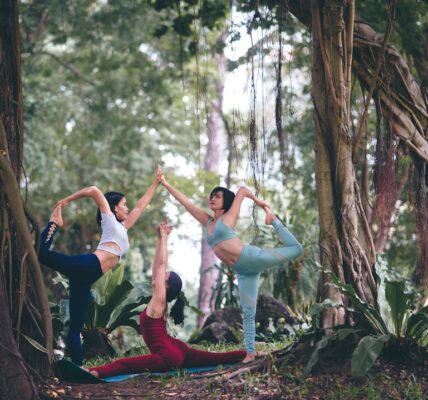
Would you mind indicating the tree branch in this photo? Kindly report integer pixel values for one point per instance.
(71, 68)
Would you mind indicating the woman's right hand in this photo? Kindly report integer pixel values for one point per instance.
(160, 176)
(164, 229)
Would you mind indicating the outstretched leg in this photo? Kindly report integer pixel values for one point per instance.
(131, 365)
(200, 358)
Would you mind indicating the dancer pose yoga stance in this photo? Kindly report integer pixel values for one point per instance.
(248, 261)
(83, 270)
(166, 352)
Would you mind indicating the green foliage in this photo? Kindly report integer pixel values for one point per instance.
(366, 353)
(226, 292)
(391, 325)
(116, 302)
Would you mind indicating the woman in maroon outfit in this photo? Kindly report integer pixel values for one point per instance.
(166, 352)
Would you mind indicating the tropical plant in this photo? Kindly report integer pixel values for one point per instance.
(226, 292)
(115, 302)
(391, 328)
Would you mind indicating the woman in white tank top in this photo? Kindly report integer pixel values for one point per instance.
(83, 270)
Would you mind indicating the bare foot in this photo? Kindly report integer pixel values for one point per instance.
(56, 217)
(252, 356)
(270, 216)
(94, 373)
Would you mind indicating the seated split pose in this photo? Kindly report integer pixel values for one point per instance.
(166, 351)
(83, 270)
(247, 261)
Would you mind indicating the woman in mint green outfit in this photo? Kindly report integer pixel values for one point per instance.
(248, 261)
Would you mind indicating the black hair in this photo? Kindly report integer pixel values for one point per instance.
(228, 196)
(177, 310)
(173, 291)
(113, 199)
(174, 285)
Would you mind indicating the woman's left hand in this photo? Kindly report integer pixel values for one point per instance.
(261, 203)
(61, 203)
(160, 176)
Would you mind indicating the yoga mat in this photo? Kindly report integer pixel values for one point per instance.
(73, 373)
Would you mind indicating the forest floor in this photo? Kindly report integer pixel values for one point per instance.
(384, 381)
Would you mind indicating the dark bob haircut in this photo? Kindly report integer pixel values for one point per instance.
(228, 196)
(113, 199)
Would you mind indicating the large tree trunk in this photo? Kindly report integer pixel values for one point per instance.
(401, 96)
(15, 381)
(345, 242)
(215, 151)
(403, 104)
(23, 305)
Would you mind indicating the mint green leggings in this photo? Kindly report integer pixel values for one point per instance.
(252, 261)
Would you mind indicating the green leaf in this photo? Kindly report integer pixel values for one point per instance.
(366, 353)
(372, 315)
(112, 306)
(103, 287)
(196, 310)
(398, 301)
(417, 327)
(318, 308)
(35, 343)
(383, 306)
(324, 342)
(345, 332)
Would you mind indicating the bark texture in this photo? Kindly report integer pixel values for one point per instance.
(24, 308)
(341, 40)
(346, 247)
(15, 381)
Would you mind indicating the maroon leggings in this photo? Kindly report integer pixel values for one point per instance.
(177, 354)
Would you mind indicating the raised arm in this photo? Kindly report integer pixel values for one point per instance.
(231, 216)
(199, 214)
(142, 203)
(157, 304)
(90, 191)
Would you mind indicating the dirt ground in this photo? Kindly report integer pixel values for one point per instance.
(384, 381)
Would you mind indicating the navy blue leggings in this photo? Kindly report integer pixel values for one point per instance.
(82, 271)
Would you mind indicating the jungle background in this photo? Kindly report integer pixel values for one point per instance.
(318, 106)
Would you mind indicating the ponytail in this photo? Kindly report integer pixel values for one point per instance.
(177, 310)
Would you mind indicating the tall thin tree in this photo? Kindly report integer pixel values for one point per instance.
(213, 158)
(26, 334)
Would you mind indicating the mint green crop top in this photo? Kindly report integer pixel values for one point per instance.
(221, 233)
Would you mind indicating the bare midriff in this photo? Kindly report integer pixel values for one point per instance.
(229, 250)
(107, 260)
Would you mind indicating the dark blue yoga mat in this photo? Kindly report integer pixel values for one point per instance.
(73, 373)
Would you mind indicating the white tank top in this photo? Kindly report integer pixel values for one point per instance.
(113, 231)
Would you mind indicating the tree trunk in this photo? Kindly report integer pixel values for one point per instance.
(346, 247)
(10, 78)
(15, 381)
(407, 110)
(215, 150)
(403, 104)
(24, 307)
